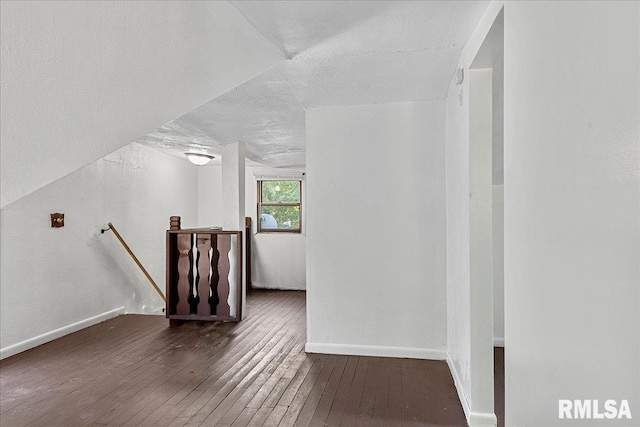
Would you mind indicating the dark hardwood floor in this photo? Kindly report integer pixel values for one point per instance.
(136, 370)
(498, 383)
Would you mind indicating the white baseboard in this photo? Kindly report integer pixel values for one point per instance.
(374, 350)
(474, 419)
(461, 394)
(263, 287)
(478, 419)
(498, 341)
(57, 333)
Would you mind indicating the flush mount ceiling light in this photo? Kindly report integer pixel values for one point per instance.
(199, 159)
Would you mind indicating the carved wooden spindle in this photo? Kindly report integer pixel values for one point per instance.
(204, 244)
(184, 273)
(214, 299)
(174, 223)
(194, 298)
(224, 246)
(172, 274)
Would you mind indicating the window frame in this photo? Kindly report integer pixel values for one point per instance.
(260, 204)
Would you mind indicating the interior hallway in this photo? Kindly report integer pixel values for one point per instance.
(135, 370)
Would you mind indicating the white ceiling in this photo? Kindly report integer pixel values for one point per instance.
(339, 53)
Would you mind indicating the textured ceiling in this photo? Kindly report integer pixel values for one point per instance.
(338, 53)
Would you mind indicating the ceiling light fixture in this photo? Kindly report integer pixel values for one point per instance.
(199, 159)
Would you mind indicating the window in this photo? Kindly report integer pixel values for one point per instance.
(280, 206)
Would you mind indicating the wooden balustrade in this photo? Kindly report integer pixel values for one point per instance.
(247, 237)
(204, 268)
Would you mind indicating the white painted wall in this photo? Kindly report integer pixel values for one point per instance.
(210, 196)
(498, 265)
(233, 186)
(233, 199)
(54, 277)
(458, 235)
(497, 105)
(460, 298)
(376, 229)
(81, 79)
(278, 259)
(481, 244)
(572, 208)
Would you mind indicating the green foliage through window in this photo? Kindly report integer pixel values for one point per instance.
(279, 206)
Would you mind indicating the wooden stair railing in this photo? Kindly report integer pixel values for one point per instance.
(135, 259)
(204, 274)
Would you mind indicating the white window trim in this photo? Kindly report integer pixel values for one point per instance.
(286, 176)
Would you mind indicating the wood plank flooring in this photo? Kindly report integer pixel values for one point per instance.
(498, 384)
(137, 371)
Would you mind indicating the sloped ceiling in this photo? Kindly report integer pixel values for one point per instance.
(79, 80)
(338, 53)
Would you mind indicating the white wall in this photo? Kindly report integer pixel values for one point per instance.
(210, 196)
(498, 265)
(481, 243)
(52, 278)
(81, 79)
(497, 104)
(572, 208)
(458, 235)
(278, 259)
(458, 217)
(376, 229)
